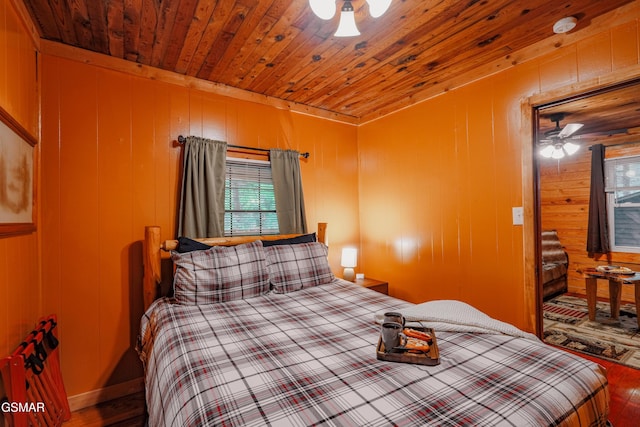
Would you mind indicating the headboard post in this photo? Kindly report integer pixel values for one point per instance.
(321, 233)
(152, 268)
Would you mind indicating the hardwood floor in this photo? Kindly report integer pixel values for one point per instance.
(624, 390)
(128, 411)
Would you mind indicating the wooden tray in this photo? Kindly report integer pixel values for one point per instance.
(431, 358)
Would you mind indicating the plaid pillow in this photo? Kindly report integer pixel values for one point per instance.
(294, 267)
(220, 274)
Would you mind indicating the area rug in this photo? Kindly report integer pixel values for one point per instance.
(566, 324)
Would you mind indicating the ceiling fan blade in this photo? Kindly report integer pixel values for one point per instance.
(569, 129)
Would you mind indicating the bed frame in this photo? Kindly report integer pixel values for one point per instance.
(153, 250)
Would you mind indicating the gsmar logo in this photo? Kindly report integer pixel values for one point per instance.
(22, 406)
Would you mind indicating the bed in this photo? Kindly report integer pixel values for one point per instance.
(303, 351)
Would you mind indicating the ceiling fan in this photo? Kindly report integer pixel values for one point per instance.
(557, 142)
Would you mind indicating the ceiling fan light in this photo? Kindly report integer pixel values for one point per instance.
(558, 153)
(347, 26)
(547, 151)
(378, 7)
(570, 148)
(324, 9)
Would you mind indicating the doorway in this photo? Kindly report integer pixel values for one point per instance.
(608, 115)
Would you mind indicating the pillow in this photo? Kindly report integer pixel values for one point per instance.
(305, 238)
(219, 274)
(295, 267)
(187, 245)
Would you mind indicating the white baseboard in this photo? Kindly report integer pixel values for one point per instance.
(105, 394)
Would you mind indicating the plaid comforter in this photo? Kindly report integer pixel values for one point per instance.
(308, 358)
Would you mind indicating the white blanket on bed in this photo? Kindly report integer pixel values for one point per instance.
(456, 316)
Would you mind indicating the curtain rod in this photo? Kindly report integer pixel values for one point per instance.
(182, 140)
(618, 144)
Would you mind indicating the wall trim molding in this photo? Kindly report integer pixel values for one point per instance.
(94, 397)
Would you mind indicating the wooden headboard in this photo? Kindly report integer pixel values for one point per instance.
(153, 249)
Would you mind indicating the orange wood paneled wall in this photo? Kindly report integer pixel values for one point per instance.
(20, 302)
(564, 203)
(438, 180)
(110, 166)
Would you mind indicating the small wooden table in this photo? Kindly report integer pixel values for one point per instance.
(374, 284)
(591, 276)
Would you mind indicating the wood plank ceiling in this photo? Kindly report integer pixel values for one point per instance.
(280, 49)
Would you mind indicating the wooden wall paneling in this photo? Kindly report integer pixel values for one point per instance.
(169, 155)
(214, 122)
(625, 39)
(50, 220)
(443, 208)
(594, 56)
(558, 69)
(6, 344)
(79, 213)
(115, 211)
(149, 129)
(4, 70)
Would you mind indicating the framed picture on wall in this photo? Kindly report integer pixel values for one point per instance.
(17, 177)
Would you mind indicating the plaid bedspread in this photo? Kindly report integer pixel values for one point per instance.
(308, 358)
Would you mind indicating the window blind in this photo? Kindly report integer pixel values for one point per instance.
(622, 184)
(250, 206)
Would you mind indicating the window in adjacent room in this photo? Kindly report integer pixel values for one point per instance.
(622, 185)
(250, 206)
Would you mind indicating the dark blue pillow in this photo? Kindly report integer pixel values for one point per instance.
(188, 245)
(305, 238)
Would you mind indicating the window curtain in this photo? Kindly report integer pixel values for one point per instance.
(202, 195)
(597, 232)
(287, 188)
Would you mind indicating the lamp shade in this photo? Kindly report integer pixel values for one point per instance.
(570, 147)
(558, 153)
(349, 257)
(378, 7)
(347, 26)
(547, 151)
(324, 9)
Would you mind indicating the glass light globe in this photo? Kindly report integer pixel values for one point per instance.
(378, 7)
(570, 148)
(347, 26)
(547, 151)
(558, 153)
(324, 9)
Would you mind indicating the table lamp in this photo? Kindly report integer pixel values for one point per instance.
(349, 261)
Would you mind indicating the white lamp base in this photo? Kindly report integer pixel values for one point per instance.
(349, 274)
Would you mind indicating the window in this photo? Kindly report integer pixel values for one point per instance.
(250, 204)
(622, 185)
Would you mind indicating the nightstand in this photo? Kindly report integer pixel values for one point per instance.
(374, 285)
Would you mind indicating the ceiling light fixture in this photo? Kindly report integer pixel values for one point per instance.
(558, 150)
(565, 25)
(347, 26)
(326, 9)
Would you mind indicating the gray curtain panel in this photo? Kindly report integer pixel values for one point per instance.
(287, 188)
(597, 232)
(202, 196)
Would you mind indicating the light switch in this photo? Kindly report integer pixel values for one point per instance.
(518, 215)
